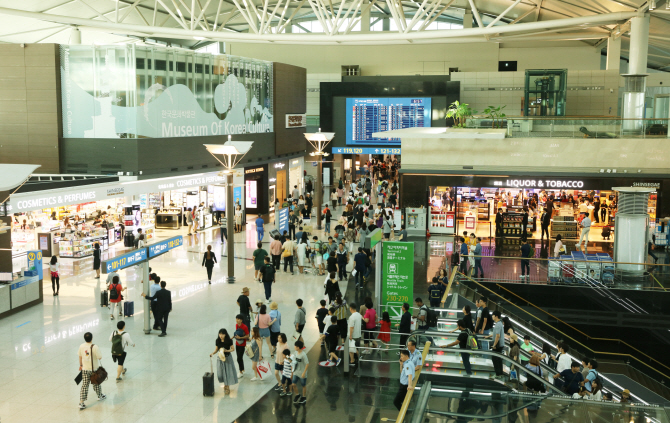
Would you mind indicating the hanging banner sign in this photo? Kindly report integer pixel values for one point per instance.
(283, 220)
(165, 246)
(124, 260)
(397, 276)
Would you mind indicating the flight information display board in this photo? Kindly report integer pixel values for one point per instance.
(366, 116)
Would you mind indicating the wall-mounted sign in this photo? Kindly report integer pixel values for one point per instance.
(295, 162)
(279, 165)
(115, 191)
(254, 170)
(538, 183)
(296, 120)
(272, 180)
(398, 276)
(378, 150)
(124, 260)
(647, 184)
(165, 246)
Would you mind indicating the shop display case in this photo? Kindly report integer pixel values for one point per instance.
(442, 222)
(565, 226)
(148, 217)
(168, 218)
(77, 248)
(512, 227)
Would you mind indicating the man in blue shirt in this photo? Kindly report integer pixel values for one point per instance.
(572, 378)
(359, 266)
(406, 377)
(259, 228)
(525, 263)
(298, 235)
(478, 260)
(464, 261)
(592, 375)
(414, 355)
(435, 293)
(152, 292)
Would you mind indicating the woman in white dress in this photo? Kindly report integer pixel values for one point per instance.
(238, 218)
(303, 244)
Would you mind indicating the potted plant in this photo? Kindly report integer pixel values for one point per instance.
(496, 115)
(460, 113)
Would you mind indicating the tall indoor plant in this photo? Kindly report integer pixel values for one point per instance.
(460, 113)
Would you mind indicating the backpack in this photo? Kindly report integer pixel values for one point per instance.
(117, 343)
(472, 342)
(323, 248)
(113, 293)
(531, 253)
(435, 293)
(431, 317)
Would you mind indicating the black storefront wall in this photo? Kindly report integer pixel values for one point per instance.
(258, 174)
(414, 190)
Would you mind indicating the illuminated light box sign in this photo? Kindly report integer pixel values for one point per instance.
(539, 183)
(124, 260)
(366, 150)
(365, 116)
(165, 246)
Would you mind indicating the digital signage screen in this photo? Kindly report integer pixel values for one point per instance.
(366, 116)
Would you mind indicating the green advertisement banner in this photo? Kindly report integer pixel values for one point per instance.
(397, 276)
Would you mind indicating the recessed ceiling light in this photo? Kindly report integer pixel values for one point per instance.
(199, 38)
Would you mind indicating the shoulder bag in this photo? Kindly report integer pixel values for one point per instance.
(100, 374)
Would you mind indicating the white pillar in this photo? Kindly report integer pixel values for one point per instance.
(467, 19)
(613, 53)
(639, 45)
(365, 16)
(75, 36)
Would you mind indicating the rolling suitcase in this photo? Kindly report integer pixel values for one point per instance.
(208, 381)
(103, 299)
(128, 308)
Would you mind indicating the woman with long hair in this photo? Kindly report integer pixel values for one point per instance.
(282, 344)
(208, 260)
(263, 322)
(303, 245)
(256, 346)
(225, 368)
(238, 218)
(332, 287)
(55, 276)
(340, 306)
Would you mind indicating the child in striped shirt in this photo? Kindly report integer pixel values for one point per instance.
(286, 373)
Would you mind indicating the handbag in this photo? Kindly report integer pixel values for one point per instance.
(263, 369)
(100, 374)
(249, 351)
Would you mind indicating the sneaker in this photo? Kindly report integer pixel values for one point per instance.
(285, 394)
(296, 399)
(102, 397)
(339, 360)
(302, 400)
(124, 371)
(278, 387)
(82, 405)
(118, 379)
(162, 335)
(254, 379)
(111, 317)
(240, 375)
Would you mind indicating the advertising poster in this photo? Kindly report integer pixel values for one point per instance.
(237, 195)
(397, 276)
(219, 195)
(283, 220)
(252, 194)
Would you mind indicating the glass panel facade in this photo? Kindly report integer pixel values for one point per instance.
(137, 91)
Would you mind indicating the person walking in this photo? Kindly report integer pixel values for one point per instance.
(54, 267)
(387, 227)
(259, 255)
(340, 306)
(545, 221)
(524, 224)
(332, 287)
(115, 296)
(208, 260)
(586, 228)
(120, 339)
(189, 220)
(89, 361)
(342, 260)
(196, 220)
(302, 247)
(225, 369)
(275, 252)
(287, 253)
(526, 252)
(241, 336)
(263, 322)
(260, 231)
(405, 325)
(326, 216)
(275, 326)
(463, 268)
(300, 318)
(355, 323)
(300, 365)
(245, 306)
(360, 260)
(462, 342)
(477, 252)
(498, 343)
(281, 346)
(407, 373)
(256, 347)
(96, 260)
(499, 222)
(163, 306)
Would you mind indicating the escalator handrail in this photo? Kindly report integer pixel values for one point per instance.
(410, 392)
(454, 272)
(574, 340)
(487, 417)
(555, 390)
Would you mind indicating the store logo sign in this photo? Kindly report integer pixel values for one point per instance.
(647, 184)
(279, 165)
(254, 170)
(44, 202)
(539, 183)
(296, 121)
(295, 162)
(115, 191)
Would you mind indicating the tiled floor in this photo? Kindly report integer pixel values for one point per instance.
(38, 347)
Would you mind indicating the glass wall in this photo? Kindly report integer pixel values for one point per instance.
(140, 91)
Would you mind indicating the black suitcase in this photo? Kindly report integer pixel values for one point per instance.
(208, 381)
(128, 308)
(103, 299)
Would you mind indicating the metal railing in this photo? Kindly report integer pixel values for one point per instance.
(574, 127)
(573, 341)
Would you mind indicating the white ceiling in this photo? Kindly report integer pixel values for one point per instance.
(182, 21)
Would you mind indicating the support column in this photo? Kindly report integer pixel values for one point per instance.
(639, 45)
(365, 16)
(230, 223)
(613, 53)
(386, 24)
(318, 195)
(467, 19)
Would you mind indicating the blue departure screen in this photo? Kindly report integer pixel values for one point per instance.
(366, 116)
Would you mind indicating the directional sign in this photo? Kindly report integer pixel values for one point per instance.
(124, 260)
(397, 276)
(35, 260)
(283, 220)
(375, 150)
(165, 246)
